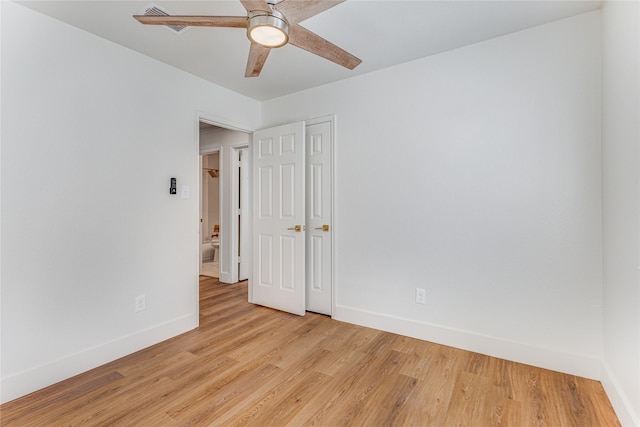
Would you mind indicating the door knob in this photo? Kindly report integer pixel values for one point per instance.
(325, 227)
(297, 228)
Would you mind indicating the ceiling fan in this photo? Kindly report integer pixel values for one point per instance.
(270, 24)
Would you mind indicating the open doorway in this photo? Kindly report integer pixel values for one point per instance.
(210, 216)
(223, 243)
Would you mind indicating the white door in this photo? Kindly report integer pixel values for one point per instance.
(319, 223)
(278, 164)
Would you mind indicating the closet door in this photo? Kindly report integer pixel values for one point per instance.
(319, 217)
(278, 166)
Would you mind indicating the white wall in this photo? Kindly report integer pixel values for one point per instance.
(474, 174)
(91, 134)
(621, 207)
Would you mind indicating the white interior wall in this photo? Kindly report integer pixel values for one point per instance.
(621, 207)
(474, 174)
(514, 155)
(91, 133)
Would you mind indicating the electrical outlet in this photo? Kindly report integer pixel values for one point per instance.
(421, 296)
(141, 303)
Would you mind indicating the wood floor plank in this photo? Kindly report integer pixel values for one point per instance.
(248, 365)
(359, 390)
(34, 406)
(282, 401)
(384, 406)
(204, 405)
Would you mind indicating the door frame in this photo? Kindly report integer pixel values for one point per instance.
(332, 120)
(224, 123)
(232, 125)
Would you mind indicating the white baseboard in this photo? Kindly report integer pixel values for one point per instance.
(573, 364)
(619, 400)
(25, 382)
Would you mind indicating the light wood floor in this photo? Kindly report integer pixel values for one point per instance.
(253, 366)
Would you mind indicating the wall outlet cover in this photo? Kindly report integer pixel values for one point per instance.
(141, 303)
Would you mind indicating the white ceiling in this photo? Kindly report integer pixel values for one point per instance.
(382, 33)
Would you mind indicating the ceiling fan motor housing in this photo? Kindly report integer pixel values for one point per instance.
(269, 29)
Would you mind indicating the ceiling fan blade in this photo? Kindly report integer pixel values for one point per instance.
(298, 10)
(257, 57)
(255, 5)
(195, 21)
(311, 42)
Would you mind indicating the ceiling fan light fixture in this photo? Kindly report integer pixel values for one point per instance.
(268, 29)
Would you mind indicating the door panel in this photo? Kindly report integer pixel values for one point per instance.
(279, 206)
(266, 260)
(266, 195)
(316, 263)
(288, 273)
(319, 218)
(288, 196)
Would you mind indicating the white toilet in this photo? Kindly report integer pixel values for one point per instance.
(215, 245)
